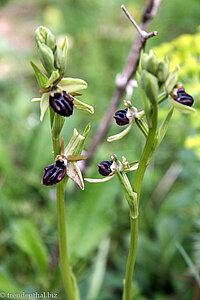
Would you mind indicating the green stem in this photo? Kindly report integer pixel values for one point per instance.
(144, 160)
(62, 234)
(64, 263)
(127, 293)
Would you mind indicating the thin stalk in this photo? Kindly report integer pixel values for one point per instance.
(147, 152)
(143, 163)
(127, 293)
(64, 263)
(62, 234)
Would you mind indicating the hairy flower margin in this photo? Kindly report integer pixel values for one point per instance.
(109, 168)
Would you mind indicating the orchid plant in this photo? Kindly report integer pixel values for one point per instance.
(58, 95)
(156, 84)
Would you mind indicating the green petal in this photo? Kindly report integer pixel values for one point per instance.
(182, 108)
(81, 105)
(74, 173)
(44, 104)
(121, 134)
(72, 84)
(36, 99)
(107, 178)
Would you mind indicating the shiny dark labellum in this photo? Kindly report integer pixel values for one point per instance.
(104, 167)
(62, 103)
(184, 98)
(54, 173)
(121, 118)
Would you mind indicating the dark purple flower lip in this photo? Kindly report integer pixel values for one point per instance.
(61, 103)
(54, 173)
(105, 168)
(121, 117)
(183, 97)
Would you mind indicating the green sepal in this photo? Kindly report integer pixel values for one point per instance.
(42, 79)
(64, 48)
(145, 102)
(58, 57)
(74, 142)
(82, 142)
(100, 180)
(121, 134)
(182, 108)
(72, 84)
(83, 106)
(75, 174)
(44, 104)
(150, 85)
(46, 56)
(164, 126)
(172, 79)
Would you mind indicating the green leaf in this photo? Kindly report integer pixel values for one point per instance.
(27, 239)
(7, 283)
(131, 197)
(164, 126)
(42, 79)
(182, 108)
(75, 174)
(74, 143)
(70, 85)
(121, 134)
(189, 262)
(81, 105)
(172, 79)
(44, 104)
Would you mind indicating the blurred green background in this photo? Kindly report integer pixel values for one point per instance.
(97, 219)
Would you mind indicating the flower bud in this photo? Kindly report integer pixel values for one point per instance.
(54, 173)
(105, 168)
(183, 97)
(46, 56)
(150, 85)
(121, 117)
(152, 63)
(62, 103)
(163, 71)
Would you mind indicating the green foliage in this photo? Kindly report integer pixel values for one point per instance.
(99, 43)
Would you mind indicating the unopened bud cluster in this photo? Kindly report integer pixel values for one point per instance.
(52, 56)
